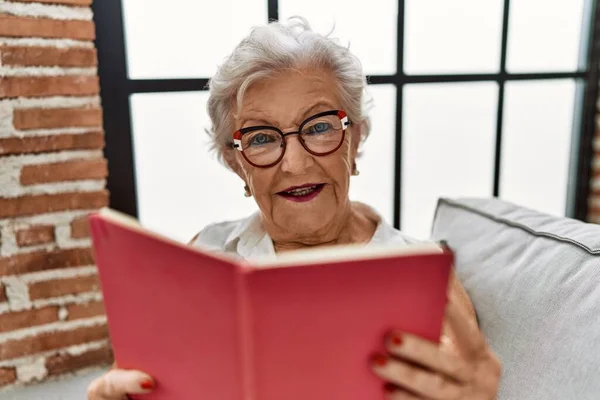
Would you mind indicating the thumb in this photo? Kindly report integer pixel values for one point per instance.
(116, 383)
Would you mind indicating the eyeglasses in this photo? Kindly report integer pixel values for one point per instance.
(320, 135)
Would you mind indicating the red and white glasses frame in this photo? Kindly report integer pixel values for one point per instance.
(264, 146)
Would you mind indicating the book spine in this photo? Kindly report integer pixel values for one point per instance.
(245, 334)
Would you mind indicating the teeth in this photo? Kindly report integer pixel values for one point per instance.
(302, 191)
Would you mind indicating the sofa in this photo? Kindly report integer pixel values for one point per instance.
(534, 280)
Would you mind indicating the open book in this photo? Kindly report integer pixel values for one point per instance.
(302, 327)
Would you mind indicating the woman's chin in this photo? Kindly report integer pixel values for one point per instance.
(304, 224)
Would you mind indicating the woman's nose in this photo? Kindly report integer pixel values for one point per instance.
(296, 159)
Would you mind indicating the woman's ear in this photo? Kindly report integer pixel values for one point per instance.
(355, 139)
(229, 156)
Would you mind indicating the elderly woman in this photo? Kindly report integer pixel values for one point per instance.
(288, 115)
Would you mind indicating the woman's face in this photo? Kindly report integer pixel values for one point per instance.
(284, 101)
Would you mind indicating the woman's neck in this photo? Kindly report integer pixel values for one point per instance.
(356, 225)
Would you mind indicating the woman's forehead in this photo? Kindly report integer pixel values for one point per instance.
(291, 85)
(308, 109)
(287, 97)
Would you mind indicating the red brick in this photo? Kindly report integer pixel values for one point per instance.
(51, 340)
(594, 211)
(69, 2)
(45, 203)
(8, 375)
(35, 235)
(89, 310)
(44, 144)
(24, 319)
(3, 297)
(41, 261)
(42, 56)
(63, 287)
(64, 171)
(15, 26)
(44, 86)
(62, 363)
(80, 228)
(44, 118)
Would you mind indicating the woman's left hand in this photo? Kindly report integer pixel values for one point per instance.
(419, 369)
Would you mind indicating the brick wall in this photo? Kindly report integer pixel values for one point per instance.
(52, 175)
(594, 199)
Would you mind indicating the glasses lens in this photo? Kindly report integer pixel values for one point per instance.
(262, 147)
(323, 134)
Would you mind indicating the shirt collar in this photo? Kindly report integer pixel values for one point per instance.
(250, 240)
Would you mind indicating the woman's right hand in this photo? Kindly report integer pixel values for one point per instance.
(117, 383)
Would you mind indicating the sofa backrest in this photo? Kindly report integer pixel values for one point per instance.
(534, 280)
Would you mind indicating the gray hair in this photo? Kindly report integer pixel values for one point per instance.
(275, 47)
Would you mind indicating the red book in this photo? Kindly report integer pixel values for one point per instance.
(208, 326)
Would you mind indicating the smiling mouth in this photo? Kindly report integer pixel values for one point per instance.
(302, 193)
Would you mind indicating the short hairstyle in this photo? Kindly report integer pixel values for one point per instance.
(278, 46)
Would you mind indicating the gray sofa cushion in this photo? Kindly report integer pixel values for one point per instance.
(534, 280)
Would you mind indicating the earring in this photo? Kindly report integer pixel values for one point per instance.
(355, 171)
(247, 192)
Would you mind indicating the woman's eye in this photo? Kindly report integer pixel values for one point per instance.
(259, 139)
(320, 127)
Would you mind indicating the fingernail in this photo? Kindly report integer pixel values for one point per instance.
(379, 360)
(396, 339)
(147, 384)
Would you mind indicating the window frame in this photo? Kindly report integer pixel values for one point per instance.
(117, 88)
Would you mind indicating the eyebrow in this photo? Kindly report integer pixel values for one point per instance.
(310, 111)
(305, 114)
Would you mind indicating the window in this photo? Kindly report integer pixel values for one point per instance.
(449, 155)
(471, 98)
(180, 188)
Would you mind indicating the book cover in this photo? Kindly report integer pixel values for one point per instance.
(302, 326)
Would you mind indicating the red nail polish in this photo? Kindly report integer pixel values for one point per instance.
(147, 384)
(389, 388)
(379, 360)
(396, 339)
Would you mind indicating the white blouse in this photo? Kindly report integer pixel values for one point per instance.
(246, 237)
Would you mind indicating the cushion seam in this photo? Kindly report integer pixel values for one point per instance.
(517, 225)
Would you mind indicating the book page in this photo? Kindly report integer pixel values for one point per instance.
(345, 252)
(292, 258)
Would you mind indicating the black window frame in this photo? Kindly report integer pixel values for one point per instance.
(117, 88)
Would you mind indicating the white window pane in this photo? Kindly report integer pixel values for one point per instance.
(181, 187)
(536, 143)
(185, 38)
(448, 146)
(544, 35)
(459, 36)
(371, 30)
(375, 184)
